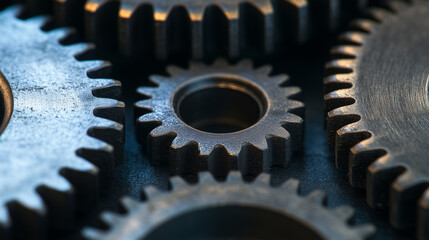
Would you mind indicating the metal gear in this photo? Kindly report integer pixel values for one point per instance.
(51, 142)
(230, 210)
(220, 117)
(200, 28)
(378, 109)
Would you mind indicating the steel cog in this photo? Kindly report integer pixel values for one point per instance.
(198, 28)
(257, 127)
(51, 142)
(230, 210)
(378, 110)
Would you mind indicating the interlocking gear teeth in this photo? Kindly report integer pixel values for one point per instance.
(184, 144)
(45, 152)
(142, 219)
(377, 109)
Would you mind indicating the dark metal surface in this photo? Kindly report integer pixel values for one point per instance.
(232, 209)
(379, 111)
(220, 117)
(45, 150)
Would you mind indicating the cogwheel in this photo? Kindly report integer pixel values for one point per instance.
(199, 29)
(50, 138)
(220, 117)
(378, 110)
(230, 210)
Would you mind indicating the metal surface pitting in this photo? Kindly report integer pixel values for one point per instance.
(378, 110)
(53, 142)
(220, 117)
(230, 210)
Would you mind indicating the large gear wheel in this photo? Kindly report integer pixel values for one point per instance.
(378, 110)
(230, 210)
(51, 142)
(220, 117)
(197, 28)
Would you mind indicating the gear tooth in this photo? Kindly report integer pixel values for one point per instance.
(178, 142)
(250, 160)
(234, 177)
(294, 18)
(114, 113)
(336, 99)
(365, 230)
(219, 161)
(317, 196)
(279, 151)
(265, 70)
(337, 119)
(159, 131)
(149, 118)
(89, 53)
(340, 66)
(291, 186)
(345, 140)
(196, 66)
(178, 183)
(110, 218)
(187, 159)
(293, 119)
(406, 191)
(280, 79)
(381, 174)
(93, 234)
(175, 71)
(353, 38)
(263, 179)
(292, 92)
(206, 178)
(395, 6)
(128, 203)
(150, 192)
(112, 91)
(378, 14)
(295, 105)
(102, 71)
(364, 25)
(344, 213)
(337, 82)
(245, 64)
(345, 51)
(158, 79)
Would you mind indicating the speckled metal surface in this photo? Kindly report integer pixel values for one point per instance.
(45, 150)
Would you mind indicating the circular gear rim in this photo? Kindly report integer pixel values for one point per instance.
(160, 206)
(48, 175)
(187, 150)
(388, 173)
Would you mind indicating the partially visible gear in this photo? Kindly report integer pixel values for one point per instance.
(230, 210)
(378, 110)
(220, 117)
(51, 142)
(195, 28)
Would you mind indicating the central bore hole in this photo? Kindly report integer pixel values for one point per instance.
(220, 104)
(233, 222)
(6, 103)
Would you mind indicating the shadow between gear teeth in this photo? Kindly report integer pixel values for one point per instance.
(200, 28)
(378, 110)
(230, 210)
(60, 134)
(220, 117)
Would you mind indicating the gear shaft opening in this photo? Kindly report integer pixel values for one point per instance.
(6, 103)
(233, 222)
(220, 103)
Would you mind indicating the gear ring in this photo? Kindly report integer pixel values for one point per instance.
(220, 117)
(229, 209)
(379, 128)
(51, 141)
